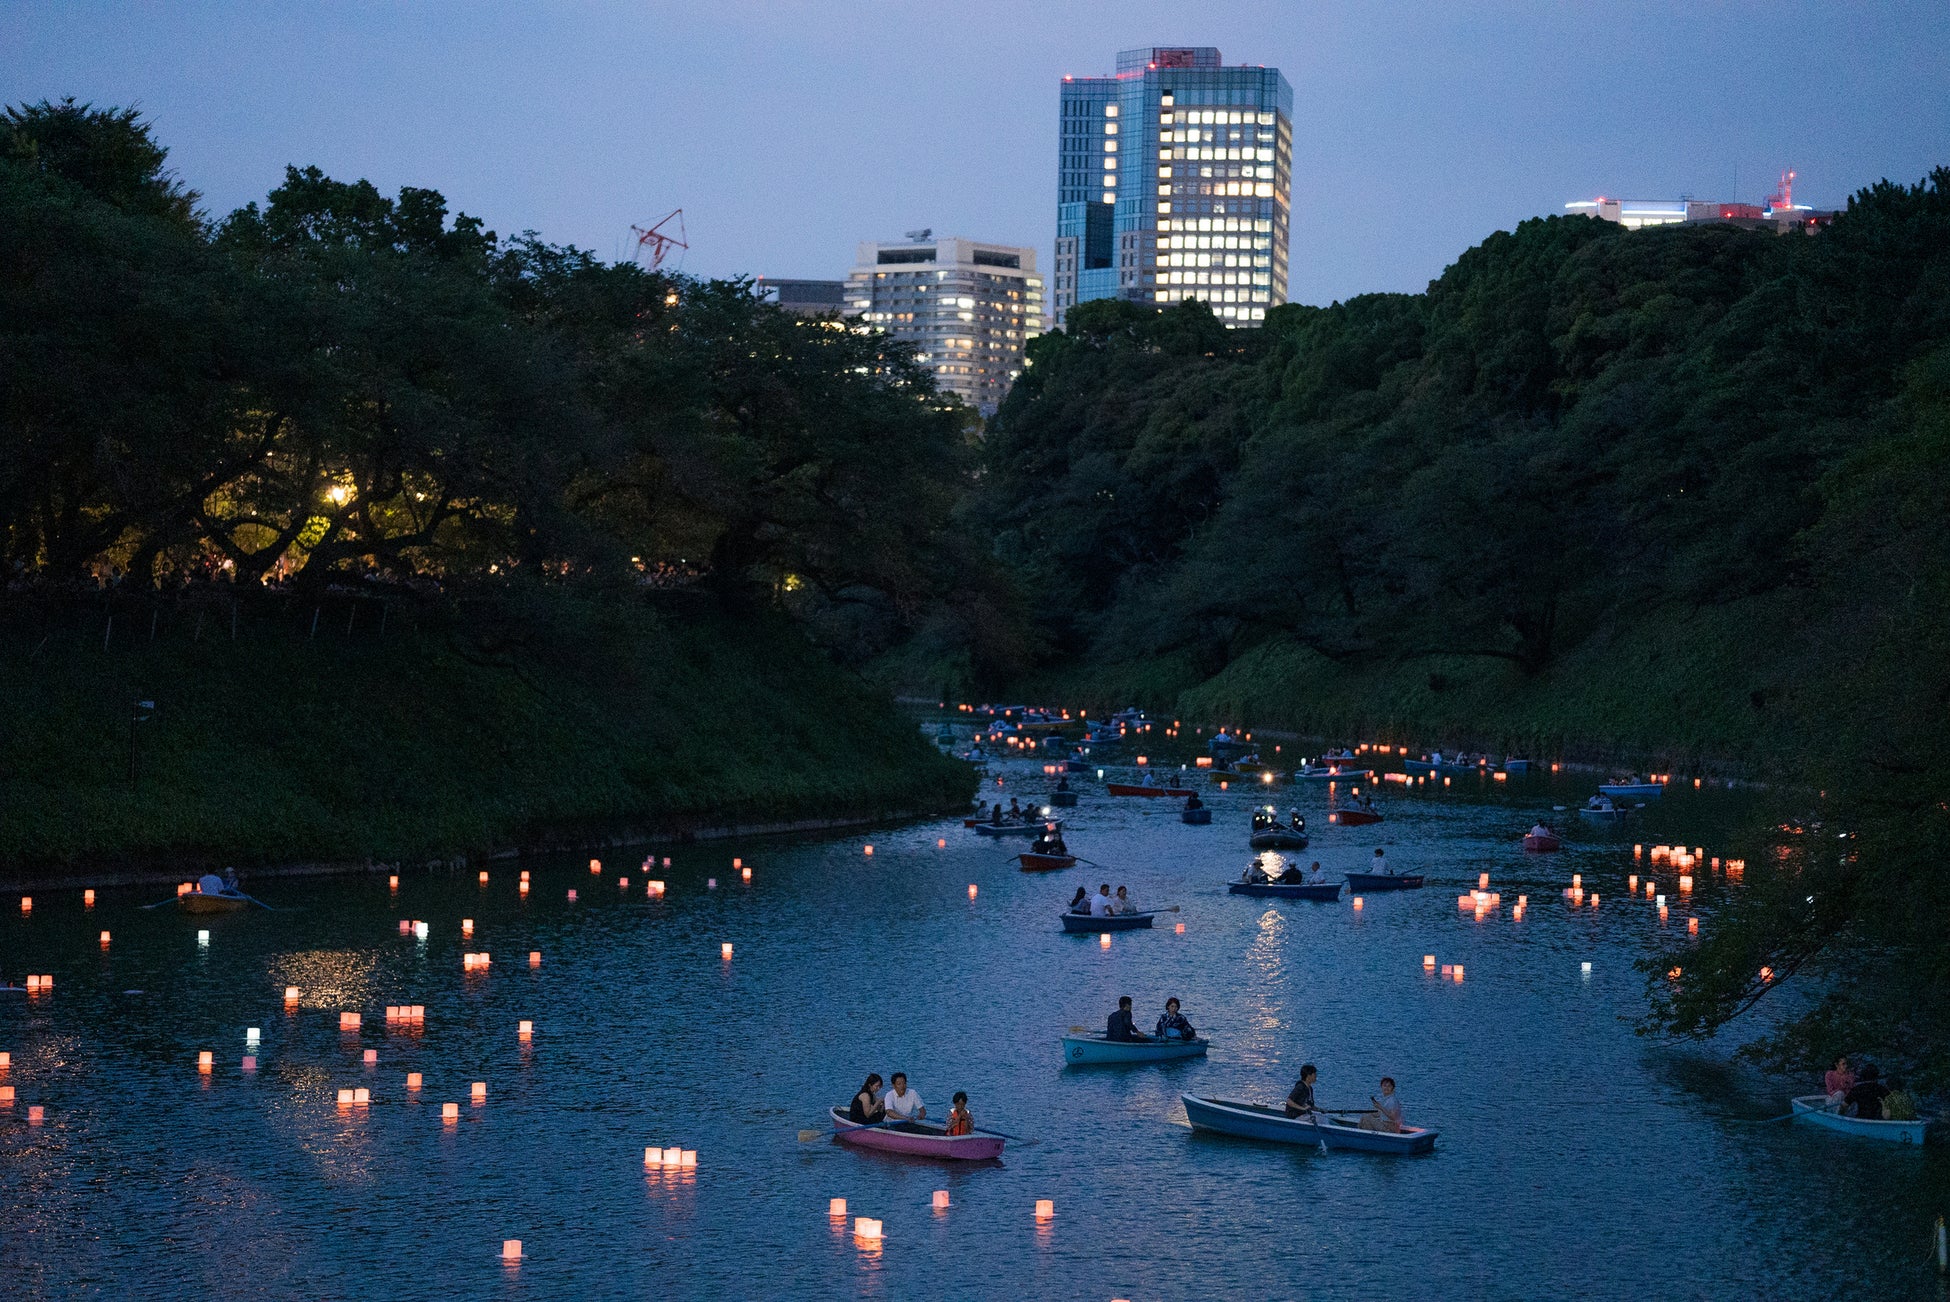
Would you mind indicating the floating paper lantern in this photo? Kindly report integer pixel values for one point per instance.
(251, 1035)
(524, 888)
(654, 888)
(971, 890)
(36, 1115)
(6, 1096)
(1587, 968)
(1577, 879)
(1692, 926)
(361, 1097)
(291, 994)
(524, 874)
(420, 929)
(511, 1249)
(688, 1158)
(392, 1012)
(348, 1021)
(88, 897)
(724, 950)
(526, 1029)
(869, 849)
(866, 1227)
(1685, 884)
(941, 1200)
(666, 861)
(419, 1013)
(1428, 961)
(572, 896)
(450, 1112)
(405, 927)
(653, 1157)
(371, 1057)
(203, 938)
(1594, 901)
(595, 865)
(1659, 900)
(1448, 969)
(1523, 901)
(392, 882)
(1103, 940)
(1638, 850)
(534, 958)
(623, 883)
(1357, 902)
(182, 888)
(1632, 882)
(480, 1091)
(673, 1156)
(1180, 930)
(104, 940)
(710, 883)
(941, 843)
(484, 877)
(836, 1208)
(345, 1098)
(249, 1063)
(1483, 881)
(1459, 971)
(26, 904)
(412, 1080)
(1045, 1208)
(206, 1062)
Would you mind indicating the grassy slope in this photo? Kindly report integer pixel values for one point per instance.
(1669, 689)
(275, 747)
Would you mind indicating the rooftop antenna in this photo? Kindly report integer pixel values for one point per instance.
(657, 242)
(1783, 198)
(921, 236)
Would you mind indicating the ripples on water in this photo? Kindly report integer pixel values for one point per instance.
(1576, 1158)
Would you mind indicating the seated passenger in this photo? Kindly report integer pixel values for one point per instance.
(1173, 1026)
(1315, 877)
(1295, 822)
(1120, 1027)
(1387, 1114)
(1080, 902)
(1100, 903)
(1300, 1103)
(1193, 802)
(1838, 1082)
(867, 1109)
(1123, 905)
(959, 1120)
(1864, 1098)
(902, 1103)
(1293, 876)
(1540, 831)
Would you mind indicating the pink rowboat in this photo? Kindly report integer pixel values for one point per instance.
(918, 1139)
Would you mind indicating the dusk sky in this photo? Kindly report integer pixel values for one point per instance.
(788, 132)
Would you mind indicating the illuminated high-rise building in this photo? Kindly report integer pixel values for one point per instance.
(1175, 181)
(968, 308)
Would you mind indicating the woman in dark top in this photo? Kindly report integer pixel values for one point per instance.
(1081, 902)
(867, 1109)
(1864, 1098)
(1300, 1103)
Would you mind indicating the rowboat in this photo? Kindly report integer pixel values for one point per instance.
(917, 1139)
(200, 901)
(1196, 817)
(1324, 892)
(1814, 1108)
(1279, 838)
(1045, 863)
(1516, 764)
(1330, 773)
(1063, 799)
(1088, 1050)
(1083, 924)
(1454, 764)
(1549, 841)
(1631, 790)
(1383, 881)
(1606, 813)
(1011, 829)
(1133, 789)
(1354, 817)
(1253, 1121)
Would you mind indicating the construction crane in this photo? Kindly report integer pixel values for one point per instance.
(658, 243)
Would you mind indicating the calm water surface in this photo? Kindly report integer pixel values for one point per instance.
(1576, 1159)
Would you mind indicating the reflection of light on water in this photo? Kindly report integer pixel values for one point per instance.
(328, 978)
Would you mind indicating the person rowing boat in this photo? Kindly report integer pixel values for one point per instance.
(1300, 1103)
(1121, 1028)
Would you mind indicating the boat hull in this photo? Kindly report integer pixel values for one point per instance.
(1045, 863)
(1324, 892)
(1271, 1125)
(1132, 789)
(1354, 817)
(1063, 799)
(917, 1139)
(1542, 844)
(1384, 881)
(1095, 1050)
(1631, 790)
(1603, 815)
(198, 902)
(1330, 774)
(1079, 924)
(1279, 840)
(1813, 1108)
(1196, 817)
(1009, 829)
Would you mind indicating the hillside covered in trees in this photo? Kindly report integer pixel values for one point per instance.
(1675, 492)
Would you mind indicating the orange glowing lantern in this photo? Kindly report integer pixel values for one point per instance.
(1692, 926)
(88, 898)
(1045, 1209)
(595, 865)
(526, 1030)
(484, 877)
(348, 1021)
(1767, 974)
(524, 888)
(480, 1091)
(1180, 930)
(372, 1056)
(511, 1249)
(104, 940)
(941, 1200)
(467, 926)
(746, 873)
(673, 1156)
(36, 1115)
(412, 1080)
(724, 950)
(971, 890)
(1459, 971)
(572, 896)
(6, 1096)
(941, 843)
(26, 904)
(653, 1157)
(1594, 901)
(291, 994)
(450, 1112)
(1103, 940)
(869, 850)
(248, 1064)
(345, 1098)
(654, 888)
(866, 1227)
(1428, 961)
(1357, 904)
(622, 883)
(206, 1062)
(1483, 881)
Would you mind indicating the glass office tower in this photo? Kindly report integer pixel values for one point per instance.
(1175, 181)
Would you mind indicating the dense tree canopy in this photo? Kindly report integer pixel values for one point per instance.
(338, 383)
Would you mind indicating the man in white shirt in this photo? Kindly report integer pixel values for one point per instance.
(1100, 903)
(903, 1104)
(1380, 864)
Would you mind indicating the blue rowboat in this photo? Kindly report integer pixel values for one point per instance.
(1014, 829)
(1063, 799)
(1813, 1108)
(1252, 1121)
(1080, 924)
(1279, 838)
(1092, 1050)
(1383, 881)
(1196, 817)
(1632, 790)
(1330, 773)
(1325, 892)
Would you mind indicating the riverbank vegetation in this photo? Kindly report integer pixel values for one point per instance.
(602, 508)
(1669, 494)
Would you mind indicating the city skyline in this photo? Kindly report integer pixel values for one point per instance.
(1419, 130)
